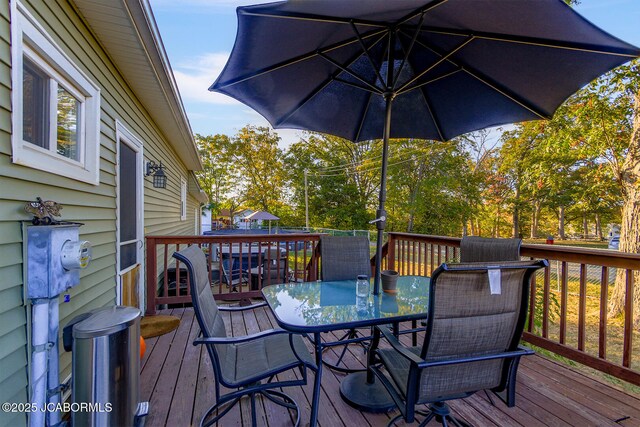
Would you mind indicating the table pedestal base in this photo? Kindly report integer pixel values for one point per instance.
(363, 396)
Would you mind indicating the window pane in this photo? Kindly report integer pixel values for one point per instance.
(128, 255)
(35, 105)
(68, 119)
(128, 180)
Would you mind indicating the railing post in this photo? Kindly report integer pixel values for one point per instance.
(152, 274)
(312, 274)
(391, 251)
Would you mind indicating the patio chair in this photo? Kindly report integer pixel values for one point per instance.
(246, 365)
(231, 271)
(273, 269)
(344, 258)
(483, 249)
(477, 313)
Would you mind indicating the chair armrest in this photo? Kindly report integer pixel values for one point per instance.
(237, 340)
(393, 341)
(239, 308)
(519, 352)
(253, 337)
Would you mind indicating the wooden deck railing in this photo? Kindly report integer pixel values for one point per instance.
(568, 307)
(569, 300)
(238, 256)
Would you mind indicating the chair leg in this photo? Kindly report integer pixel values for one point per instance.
(282, 399)
(351, 334)
(277, 397)
(227, 405)
(253, 410)
(443, 415)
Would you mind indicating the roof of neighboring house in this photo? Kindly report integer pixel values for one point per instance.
(243, 213)
(127, 31)
(263, 215)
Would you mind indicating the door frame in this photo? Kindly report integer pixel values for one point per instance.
(127, 137)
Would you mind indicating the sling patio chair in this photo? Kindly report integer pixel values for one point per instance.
(274, 268)
(484, 249)
(477, 313)
(247, 365)
(345, 258)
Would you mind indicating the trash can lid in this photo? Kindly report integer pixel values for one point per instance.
(106, 321)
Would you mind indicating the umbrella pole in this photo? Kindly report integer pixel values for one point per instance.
(381, 214)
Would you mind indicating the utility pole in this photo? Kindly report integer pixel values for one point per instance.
(306, 200)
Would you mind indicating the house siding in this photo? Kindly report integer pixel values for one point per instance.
(94, 206)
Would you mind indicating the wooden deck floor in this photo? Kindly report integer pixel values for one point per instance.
(177, 381)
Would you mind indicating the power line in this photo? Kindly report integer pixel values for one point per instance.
(356, 164)
(369, 169)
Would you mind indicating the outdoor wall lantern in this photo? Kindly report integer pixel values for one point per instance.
(159, 178)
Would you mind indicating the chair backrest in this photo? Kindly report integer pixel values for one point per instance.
(344, 257)
(483, 249)
(230, 267)
(275, 266)
(205, 307)
(467, 319)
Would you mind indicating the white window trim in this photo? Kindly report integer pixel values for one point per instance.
(183, 199)
(31, 39)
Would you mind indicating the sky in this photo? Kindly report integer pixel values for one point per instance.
(198, 36)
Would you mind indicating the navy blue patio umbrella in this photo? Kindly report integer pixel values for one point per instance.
(428, 69)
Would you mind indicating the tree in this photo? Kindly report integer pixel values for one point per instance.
(216, 176)
(519, 165)
(258, 161)
(482, 151)
(607, 117)
(629, 178)
(342, 180)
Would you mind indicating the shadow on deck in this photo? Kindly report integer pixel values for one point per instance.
(177, 381)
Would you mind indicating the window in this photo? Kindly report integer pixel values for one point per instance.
(183, 199)
(56, 108)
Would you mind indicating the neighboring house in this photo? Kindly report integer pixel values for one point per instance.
(239, 219)
(96, 73)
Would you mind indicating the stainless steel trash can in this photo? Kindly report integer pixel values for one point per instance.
(106, 369)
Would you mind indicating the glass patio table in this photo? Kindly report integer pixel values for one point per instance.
(316, 307)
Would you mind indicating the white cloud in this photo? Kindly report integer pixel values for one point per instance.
(194, 79)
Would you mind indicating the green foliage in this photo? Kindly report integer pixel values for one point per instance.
(538, 313)
(538, 179)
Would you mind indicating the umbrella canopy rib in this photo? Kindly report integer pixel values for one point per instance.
(434, 119)
(365, 110)
(322, 86)
(428, 82)
(535, 41)
(315, 18)
(231, 82)
(490, 82)
(420, 11)
(371, 87)
(374, 66)
(406, 87)
(357, 86)
(501, 89)
(408, 52)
